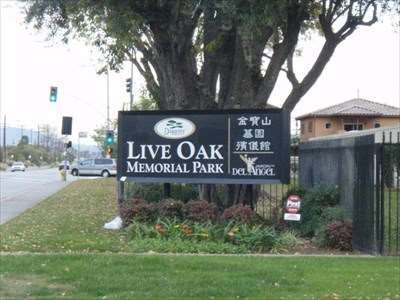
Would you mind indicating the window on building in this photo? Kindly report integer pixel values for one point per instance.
(353, 126)
(328, 125)
(302, 127)
(377, 125)
(310, 126)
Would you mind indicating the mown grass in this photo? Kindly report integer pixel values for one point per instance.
(70, 220)
(392, 221)
(102, 276)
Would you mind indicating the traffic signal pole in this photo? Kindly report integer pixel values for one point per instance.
(131, 92)
(108, 100)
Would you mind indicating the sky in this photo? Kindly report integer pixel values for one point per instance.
(366, 64)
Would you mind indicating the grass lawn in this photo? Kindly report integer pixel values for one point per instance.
(70, 220)
(392, 223)
(80, 260)
(102, 276)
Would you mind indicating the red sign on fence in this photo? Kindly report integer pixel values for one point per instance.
(292, 208)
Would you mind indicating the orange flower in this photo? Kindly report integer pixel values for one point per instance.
(187, 230)
(160, 229)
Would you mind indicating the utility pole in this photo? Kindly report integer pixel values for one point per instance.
(108, 100)
(47, 136)
(131, 93)
(38, 135)
(4, 141)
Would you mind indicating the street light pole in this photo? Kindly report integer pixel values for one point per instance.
(4, 140)
(131, 93)
(108, 100)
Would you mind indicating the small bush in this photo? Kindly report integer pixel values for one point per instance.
(315, 202)
(137, 209)
(339, 235)
(285, 242)
(295, 190)
(153, 192)
(138, 230)
(170, 208)
(335, 213)
(239, 214)
(256, 238)
(246, 237)
(200, 211)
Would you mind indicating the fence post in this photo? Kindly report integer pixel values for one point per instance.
(382, 196)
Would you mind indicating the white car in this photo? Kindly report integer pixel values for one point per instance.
(18, 166)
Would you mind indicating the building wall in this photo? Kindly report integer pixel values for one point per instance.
(318, 125)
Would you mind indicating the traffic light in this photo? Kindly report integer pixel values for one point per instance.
(109, 150)
(68, 145)
(53, 94)
(128, 85)
(109, 137)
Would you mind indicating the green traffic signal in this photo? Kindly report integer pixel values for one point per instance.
(110, 137)
(53, 94)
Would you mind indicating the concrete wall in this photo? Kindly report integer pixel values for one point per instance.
(331, 162)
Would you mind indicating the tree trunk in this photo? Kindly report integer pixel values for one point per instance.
(183, 88)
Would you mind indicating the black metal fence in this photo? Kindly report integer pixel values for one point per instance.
(366, 168)
(269, 203)
(272, 196)
(376, 209)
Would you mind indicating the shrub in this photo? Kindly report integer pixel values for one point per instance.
(285, 242)
(239, 214)
(295, 190)
(339, 235)
(137, 209)
(185, 192)
(315, 202)
(247, 237)
(335, 213)
(200, 211)
(255, 238)
(153, 192)
(138, 230)
(170, 208)
(3, 166)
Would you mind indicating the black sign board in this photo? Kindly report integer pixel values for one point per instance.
(229, 146)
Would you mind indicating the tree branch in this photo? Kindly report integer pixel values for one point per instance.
(281, 51)
(301, 88)
(290, 72)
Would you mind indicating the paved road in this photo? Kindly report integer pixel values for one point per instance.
(20, 191)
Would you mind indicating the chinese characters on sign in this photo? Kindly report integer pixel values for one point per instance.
(253, 145)
(236, 146)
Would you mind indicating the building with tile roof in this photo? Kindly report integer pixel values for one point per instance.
(354, 114)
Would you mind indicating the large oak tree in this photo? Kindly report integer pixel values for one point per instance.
(209, 54)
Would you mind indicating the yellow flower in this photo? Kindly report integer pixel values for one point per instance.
(231, 234)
